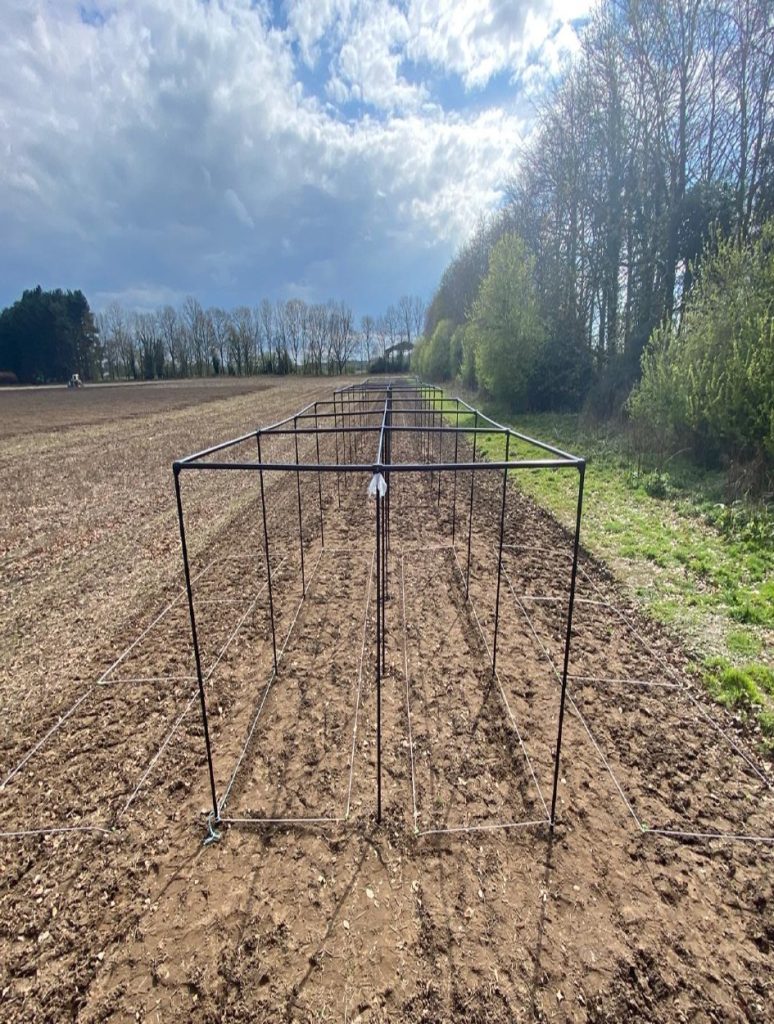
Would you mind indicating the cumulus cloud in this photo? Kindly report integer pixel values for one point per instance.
(171, 145)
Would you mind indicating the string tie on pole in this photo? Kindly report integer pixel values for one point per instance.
(213, 835)
(378, 484)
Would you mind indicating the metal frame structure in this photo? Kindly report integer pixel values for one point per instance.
(384, 412)
(346, 430)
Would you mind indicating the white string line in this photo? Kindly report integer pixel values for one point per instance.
(408, 702)
(685, 689)
(281, 821)
(63, 718)
(147, 629)
(23, 833)
(41, 742)
(598, 679)
(240, 561)
(167, 739)
(238, 626)
(680, 684)
(673, 833)
(484, 828)
(627, 682)
(571, 700)
(502, 692)
(412, 549)
(359, 687)
(539, 598)
(156, 679)
(706, 835)
(346, 551)
(535, 549)
(158, 753)
(270, 681)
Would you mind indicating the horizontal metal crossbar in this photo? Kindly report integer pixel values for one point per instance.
(378, 467)
(426, 398)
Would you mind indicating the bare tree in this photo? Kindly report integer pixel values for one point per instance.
(171, 332)
(119, 342)
(317, 336)
(265, 323)
(149, 344)
(197, 331)
(340, 337)
(367, 336)
(220, 322)
(294, 314)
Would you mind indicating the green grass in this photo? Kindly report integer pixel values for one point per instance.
(693, 561)
(748, 689)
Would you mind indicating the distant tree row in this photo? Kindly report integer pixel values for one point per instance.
(46, 336)
(655, 144)
(286, 336)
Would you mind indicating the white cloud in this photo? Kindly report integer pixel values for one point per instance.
(310, 20)
(174, 144)
(477, 39)
(142, 297)
(473, 39)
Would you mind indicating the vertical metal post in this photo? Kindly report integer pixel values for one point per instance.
(349, 424)
(500, 556)
(470, 510)
(454, 492)
(300, 516)
(319, 476)
(195, 638)
(378, 657)
(266, 552)
(440, 447)
(336, 439)
(565, 669)
(386, 520)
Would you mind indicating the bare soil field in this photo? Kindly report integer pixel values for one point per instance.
(459, 905)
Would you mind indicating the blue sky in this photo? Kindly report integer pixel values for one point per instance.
(236, 150)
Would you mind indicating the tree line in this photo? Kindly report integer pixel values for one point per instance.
(46, 336)
(653, 156)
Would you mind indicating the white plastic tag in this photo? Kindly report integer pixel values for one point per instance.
(378, 483)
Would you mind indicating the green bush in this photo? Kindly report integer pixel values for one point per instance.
(657, 485)
(507, 324)
(709, 380)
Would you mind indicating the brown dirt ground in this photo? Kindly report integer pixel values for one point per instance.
(341, 920)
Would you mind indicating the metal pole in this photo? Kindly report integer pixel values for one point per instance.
(570, 606)
(470, 511)
(500, 556)
(386, 520)
(336, 438)
(378, 658)
(454, 493)
(195, 638)
(300, 517)
(266, 551)
(440, 448)
(349, 415)
(319, 478)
